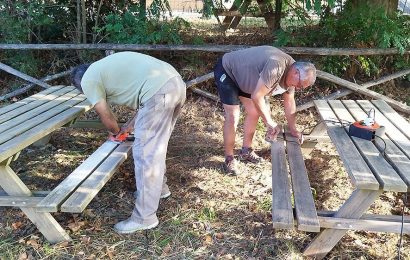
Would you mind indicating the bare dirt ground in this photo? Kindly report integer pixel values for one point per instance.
(209, 215)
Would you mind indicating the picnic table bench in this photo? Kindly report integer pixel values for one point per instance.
(31, 119)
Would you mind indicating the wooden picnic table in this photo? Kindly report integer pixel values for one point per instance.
(23, 123)
(374, 167)
(32, 119)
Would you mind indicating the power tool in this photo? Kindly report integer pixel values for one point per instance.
(122, 138)
(367, 129)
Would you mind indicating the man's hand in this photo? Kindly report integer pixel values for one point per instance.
(272, 131)
(298, 135)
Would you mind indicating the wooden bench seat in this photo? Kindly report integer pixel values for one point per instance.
(82, 185)
(286, 150)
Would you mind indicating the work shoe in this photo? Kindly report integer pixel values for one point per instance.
(165, 193)
(231, 166)
(130, 225)
(248, 155)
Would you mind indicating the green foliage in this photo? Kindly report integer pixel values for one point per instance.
(130, 28)
(361, 27)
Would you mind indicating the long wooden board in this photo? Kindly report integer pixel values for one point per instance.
(15, 105)
(306, 214)
(282, 211)
(402, 124)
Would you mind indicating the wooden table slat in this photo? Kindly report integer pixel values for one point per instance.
(402, 124)
(38, 120)
(359, 172)
(282, 211)
(388, 178)
(306, 213)
(16, 121)
(18, 143)
(391, 131)
(32, 105)
(11, 107)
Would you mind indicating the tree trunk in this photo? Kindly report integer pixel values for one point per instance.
(78, 31)
(278, 14)
(143, 9)
(84, 21)
(390, 6)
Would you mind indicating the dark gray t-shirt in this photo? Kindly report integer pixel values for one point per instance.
(246, 66)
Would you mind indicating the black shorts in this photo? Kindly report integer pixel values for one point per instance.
(228, 90)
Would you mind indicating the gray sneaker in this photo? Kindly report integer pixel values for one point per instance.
(249, 155)
(130, 225)
(231, 166)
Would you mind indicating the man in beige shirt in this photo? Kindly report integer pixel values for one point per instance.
(247, 76)
(156, 89)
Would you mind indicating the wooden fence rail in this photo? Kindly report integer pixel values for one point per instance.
(208, 48)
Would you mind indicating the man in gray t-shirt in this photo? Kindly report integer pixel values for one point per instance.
(247, 76)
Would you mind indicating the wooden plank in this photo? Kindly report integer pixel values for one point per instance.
(398, 121)
(392, 153)
(359, 172)
(26, 88)
(58, 195)
(32, 105)
(20, 74)
(306, 214)
(282, 211)
(391, 131)
(45, 223)
(388, 178)
(18, 143)
(353, 208)
(19, 201)
(83, 195)
(15, 121)
(38, 120)
(210, 48)
(29, 99)
(344, 92)
(347, 84)
(364, 225)
(389, 218)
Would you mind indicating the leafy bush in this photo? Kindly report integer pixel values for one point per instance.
(361, 27)
(130, 28)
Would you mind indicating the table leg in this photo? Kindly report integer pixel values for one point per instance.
(354, 207)
(45, 222)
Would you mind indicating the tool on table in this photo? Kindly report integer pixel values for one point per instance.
(367, 129)
(121, 138)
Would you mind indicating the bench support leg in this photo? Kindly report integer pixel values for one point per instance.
(45, 222)
(353, 208)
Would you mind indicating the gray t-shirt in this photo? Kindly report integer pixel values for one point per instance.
(246, 66)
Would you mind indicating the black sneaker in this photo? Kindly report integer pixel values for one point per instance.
(249, 155)
(231, 166)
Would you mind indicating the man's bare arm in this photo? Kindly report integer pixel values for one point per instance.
(290, 113)
(107, 117)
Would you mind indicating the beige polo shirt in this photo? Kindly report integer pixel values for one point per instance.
(126, 78)
(246, 66)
